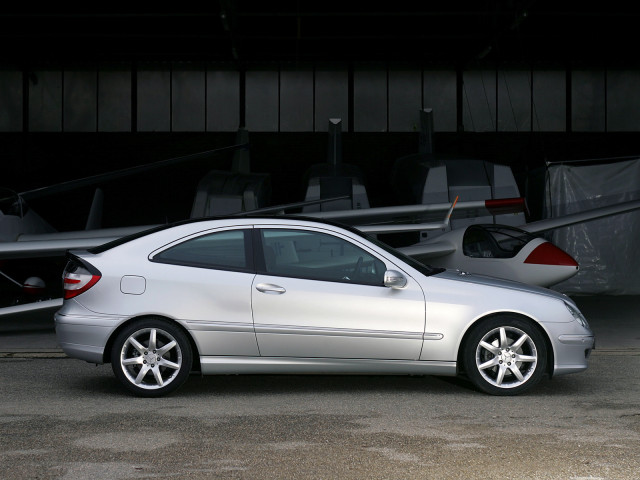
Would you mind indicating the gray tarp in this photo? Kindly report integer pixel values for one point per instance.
(606, 249)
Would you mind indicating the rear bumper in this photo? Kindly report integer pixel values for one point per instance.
(85, 337)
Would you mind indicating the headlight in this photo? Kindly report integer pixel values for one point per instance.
(577, 315)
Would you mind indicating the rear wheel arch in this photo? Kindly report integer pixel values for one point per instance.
(194, 348)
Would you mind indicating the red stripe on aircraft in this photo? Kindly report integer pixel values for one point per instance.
(499, 206)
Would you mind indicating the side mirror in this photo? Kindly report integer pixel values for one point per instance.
(394, 279)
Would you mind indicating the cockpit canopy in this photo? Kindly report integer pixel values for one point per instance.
(494, 241)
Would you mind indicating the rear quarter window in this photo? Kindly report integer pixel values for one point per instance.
(227, 250)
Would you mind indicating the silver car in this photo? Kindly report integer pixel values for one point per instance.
(289, 295)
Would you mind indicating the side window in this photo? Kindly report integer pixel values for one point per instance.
(224, 250)
(319, 256)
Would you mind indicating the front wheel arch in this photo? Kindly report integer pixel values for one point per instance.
(550, 359)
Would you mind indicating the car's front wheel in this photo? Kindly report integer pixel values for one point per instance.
(151, 357)
(505, 355)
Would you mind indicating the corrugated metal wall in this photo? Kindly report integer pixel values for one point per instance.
(186, 97)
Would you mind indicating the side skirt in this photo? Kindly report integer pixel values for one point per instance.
(288, 365)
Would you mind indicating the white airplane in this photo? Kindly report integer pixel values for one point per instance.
(516, 253)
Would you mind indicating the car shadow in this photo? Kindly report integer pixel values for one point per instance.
(198, 385)
(318, 383)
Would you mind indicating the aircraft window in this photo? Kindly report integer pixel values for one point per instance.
(509, 240)
(318, 256)
(221, 250)
(490, 241)
(477, 243)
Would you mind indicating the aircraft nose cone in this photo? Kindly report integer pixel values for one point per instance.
(548, 254)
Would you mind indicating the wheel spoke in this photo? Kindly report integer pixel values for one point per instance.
(137, 345)
(156, 373)
(501, 371)
(503, 338)
(491, 363)
(518, 343)
(166, 363)
(132, 361)
(491, 348)
(526, 358)
(516, 371)
(153, 339)
(166, 348)
(143, 372)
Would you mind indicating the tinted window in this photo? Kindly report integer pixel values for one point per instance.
(318, 256)
(224, 250)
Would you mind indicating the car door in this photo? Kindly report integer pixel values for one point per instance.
(319, 294)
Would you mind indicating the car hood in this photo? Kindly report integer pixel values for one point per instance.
(462, 276)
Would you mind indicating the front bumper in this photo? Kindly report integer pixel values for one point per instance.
(574, 353)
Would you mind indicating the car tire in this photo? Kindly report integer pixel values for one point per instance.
(147, 371)
(504, 355)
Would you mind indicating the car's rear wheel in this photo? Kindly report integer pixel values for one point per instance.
(505, 355)
(151, 357)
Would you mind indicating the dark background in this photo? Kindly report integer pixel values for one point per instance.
(478, 34)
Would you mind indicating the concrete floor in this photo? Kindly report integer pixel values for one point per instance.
(614, 319)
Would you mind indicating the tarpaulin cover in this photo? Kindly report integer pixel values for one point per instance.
(606, 249)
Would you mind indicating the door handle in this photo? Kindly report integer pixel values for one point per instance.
(270, 288)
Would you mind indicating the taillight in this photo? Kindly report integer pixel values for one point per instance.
(77, 279)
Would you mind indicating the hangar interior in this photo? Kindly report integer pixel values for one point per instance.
(516, 82)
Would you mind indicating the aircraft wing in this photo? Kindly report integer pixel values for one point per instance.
(372, 220)
(29, 312)
(429, 250)
(541, 226)
(421, 214)
(57, 243)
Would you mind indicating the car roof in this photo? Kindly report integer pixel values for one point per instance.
(253, 217)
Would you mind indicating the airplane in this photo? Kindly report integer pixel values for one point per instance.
(519, 253)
